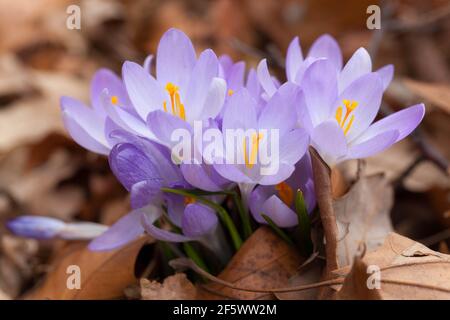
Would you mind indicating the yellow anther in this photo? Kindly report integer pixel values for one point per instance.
(250, 162)
(114, 100)
(349, 107)
(171, 88)
(175, 101)
(182, 112)
(339, 115)
(285, 192)
(230, 92)
(349, 125)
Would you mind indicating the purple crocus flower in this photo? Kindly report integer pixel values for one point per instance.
(325, 47)
(185, 89)
(144, 167)
(340, 123)
(278, 201)
(111, 109)
(277, 121)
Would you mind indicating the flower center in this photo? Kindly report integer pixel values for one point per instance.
(230, 92)
(349, 107)
(177, 108)
(250, 161)
(285, 192)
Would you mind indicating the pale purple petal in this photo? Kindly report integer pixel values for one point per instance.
(214, 100)
(320, 90)
(294, 59)
(367, 92)
(265, 78)
(145, 192)
(386, 74)
(106, 79)
(358, 65)
(233, 172)
(373, 145)
(253, 84)
(84, 125)
(240, 112)
(327, 47)
(123, 118)
(163, 124)
(203, 73)
(303, 67)
(175, 58)
(203, 176)
(279, 212)
(404, 121)
(198, 220)
(235, 77)
(280, 111)
(125, 230)
(145, 92)
(283, 172)
(131, 165)
(160, 234)
(293, 146)
(329, 140)
(156, 153)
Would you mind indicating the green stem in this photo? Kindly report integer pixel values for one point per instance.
(192, 253)
(223, 214)
(304, 223)
(245, 218)
(277, 230)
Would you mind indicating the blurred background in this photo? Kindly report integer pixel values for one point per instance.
(43, 172)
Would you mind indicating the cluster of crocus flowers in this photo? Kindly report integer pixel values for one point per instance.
(133, 119)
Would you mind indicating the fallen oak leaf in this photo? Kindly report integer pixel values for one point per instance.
(104, 275)
(176, 287)
(407, 270)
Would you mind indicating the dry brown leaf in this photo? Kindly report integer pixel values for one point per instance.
(264, 261)
(437, 94)
(308, 274)
(104, 275)
(37, 189)
(30, 119)
(4, 296)
(176, 287)
(362, 216)
(408, 270)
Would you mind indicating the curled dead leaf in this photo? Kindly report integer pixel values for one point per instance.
(406, 270)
